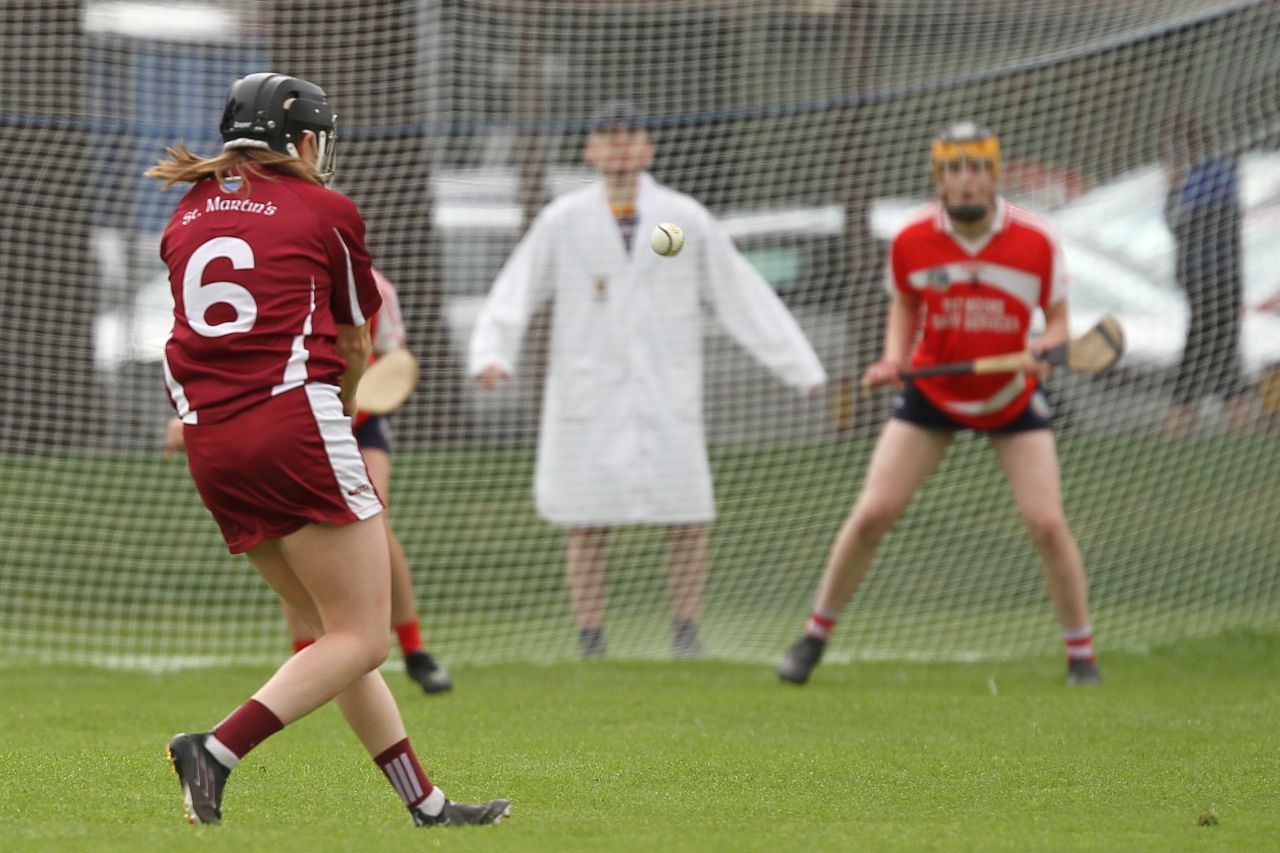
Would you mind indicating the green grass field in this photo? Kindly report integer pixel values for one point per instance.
(1179, 538)
(690, 756)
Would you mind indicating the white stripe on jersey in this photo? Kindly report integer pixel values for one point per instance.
(994, 403)
(1059, 283)
(357, 316)
(295, 370)
(388, 324)
(1019, 284)
(178, 394)
(344, 454)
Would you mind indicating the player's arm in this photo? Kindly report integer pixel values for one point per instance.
(354, 346)
(1057, 326)
(174, 441)
(899, 334)
(1056, 332)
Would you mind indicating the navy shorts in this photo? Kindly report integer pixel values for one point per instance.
(375, 432)
(915, 408)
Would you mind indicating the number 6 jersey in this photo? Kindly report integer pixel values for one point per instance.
(262, 272)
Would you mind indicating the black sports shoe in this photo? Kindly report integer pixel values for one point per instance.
(800, 659)
(431, 676)
(465, 814)
(1083, 673)
(686, 643)
(202, 777)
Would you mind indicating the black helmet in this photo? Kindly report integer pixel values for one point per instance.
(267, 110)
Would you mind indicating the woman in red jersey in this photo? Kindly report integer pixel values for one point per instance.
(965, 278)
(273, 289)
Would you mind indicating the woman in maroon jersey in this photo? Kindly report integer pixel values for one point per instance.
(272, 290)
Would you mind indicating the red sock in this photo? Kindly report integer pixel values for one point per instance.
(299, 645)
(405, 774)
(248, 726)
(409, 636)
(820, 625)
(1079, 642)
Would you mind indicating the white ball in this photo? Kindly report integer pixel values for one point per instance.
(667, 239)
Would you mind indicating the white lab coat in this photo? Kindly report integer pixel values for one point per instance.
(622, 438)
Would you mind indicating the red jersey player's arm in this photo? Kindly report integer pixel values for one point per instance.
(900, 332)
(1056, 328)
(1056, 331)
(900, 327)
(354, 345)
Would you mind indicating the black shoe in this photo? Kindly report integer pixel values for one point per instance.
(202, 777)
(465, 814)
(800, 659)
(686, 643)
(431, 676)
(1083, 673)
(591, 641)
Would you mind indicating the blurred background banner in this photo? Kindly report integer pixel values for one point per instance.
(804, 126)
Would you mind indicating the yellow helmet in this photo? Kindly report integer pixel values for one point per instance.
(966, 140)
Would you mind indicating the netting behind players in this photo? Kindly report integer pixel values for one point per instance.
(804, 126)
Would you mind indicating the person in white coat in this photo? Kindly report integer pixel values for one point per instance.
(622, 438)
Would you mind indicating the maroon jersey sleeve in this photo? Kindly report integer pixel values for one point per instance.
(354, 298)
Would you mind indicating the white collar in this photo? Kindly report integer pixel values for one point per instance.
(999, 221)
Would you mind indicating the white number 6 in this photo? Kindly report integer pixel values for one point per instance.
(198, 298)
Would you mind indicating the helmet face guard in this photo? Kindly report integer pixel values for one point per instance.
(274, 111)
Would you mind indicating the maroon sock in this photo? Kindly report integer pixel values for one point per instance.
(248, 726)
(405, 773)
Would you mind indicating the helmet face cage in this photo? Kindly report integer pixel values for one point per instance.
(273, 111)
(966, 140)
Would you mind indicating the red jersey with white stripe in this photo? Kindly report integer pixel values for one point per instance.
(977, 299)
(386, 328)
(261, 279)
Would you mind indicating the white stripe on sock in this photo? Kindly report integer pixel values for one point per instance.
(415, 789)
(396, 775)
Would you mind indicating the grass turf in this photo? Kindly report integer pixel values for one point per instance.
(689, 756)
(1179, 539)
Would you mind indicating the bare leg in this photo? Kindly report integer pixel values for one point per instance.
(337, 579)
(1179, 420)
(404, 607)
(686, 569)
(904, 457)
(299, 630)
(1240, 414)
(586, 557)
(1030, 463)
(403, 603)
(367, 704)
